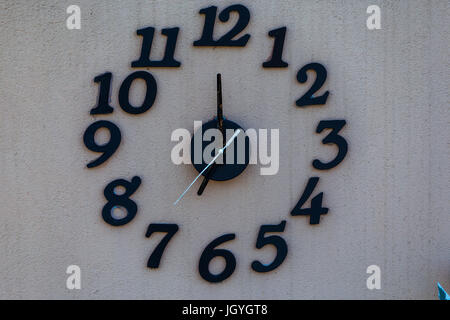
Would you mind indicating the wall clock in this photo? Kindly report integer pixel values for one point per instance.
(119, 192)
(336, 185)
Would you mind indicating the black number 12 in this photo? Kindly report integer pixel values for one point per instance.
(227, 39)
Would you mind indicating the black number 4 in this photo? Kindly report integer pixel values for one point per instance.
(171, 229)
(316, 203)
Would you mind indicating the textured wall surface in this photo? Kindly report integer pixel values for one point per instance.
(389, 199)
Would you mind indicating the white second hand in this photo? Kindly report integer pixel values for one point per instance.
(209, 164)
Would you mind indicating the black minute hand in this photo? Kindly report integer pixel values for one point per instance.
(212, 169)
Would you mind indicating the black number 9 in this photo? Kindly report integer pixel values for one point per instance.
(108, 148)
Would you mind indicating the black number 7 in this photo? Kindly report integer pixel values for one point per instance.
(171, 229)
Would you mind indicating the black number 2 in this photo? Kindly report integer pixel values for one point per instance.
(308, 98)
(170, 229)
(226, 40)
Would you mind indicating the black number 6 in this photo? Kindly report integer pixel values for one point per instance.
(277, 241)
(210, 253)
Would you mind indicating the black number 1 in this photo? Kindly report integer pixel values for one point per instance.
(276, 61)
(155, 257)
(104, 81)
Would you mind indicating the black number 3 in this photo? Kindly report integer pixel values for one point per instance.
(332, 138)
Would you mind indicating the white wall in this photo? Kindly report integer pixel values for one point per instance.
(388, 200)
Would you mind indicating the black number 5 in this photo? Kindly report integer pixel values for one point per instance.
(276, 241)
(332, 138)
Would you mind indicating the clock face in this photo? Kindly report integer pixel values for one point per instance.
(220, 149)
(217, 149)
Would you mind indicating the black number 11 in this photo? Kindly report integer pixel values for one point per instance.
(147, 39)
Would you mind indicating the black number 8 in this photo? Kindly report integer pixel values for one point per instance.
(120, 200)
